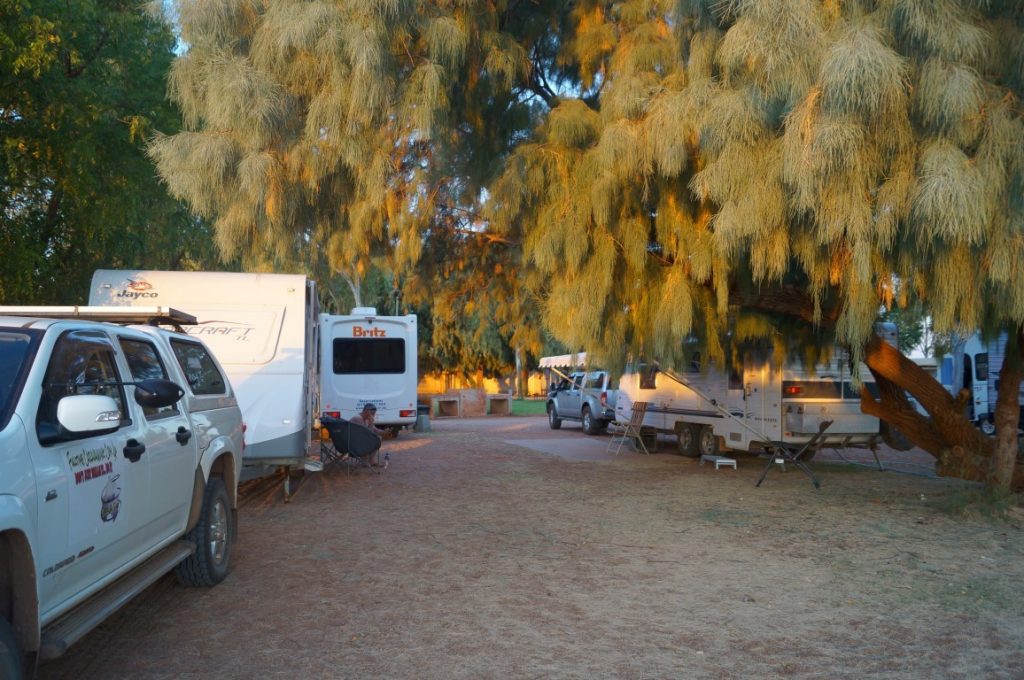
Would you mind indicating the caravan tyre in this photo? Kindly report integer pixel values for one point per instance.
(686, 439)
(893, 438)
(553, 420)
(987, 426)
(708, 442)
(213, 535)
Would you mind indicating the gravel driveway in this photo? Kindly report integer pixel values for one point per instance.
(497, 548)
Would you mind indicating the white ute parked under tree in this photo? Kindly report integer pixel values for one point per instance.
(120, 451)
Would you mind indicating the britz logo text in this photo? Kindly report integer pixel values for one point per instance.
(360, 332)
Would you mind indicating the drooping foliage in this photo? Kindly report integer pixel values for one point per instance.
(745, 147)
(642, 176)
(340, 131)
(81, 87)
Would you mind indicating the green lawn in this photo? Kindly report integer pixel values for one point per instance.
(528, 407)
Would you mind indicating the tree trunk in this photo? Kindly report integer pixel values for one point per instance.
(354, 284)
(1007, 413)
(520, 384)
(960, 448)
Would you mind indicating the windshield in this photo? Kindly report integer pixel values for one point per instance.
(17, 347)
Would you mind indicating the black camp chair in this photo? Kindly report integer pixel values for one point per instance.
(351, 444)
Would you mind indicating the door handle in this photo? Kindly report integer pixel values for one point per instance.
(183, 435)
(133, 450)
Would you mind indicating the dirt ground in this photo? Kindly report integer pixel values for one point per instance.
(497, 548)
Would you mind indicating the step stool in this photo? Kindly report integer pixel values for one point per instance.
(719, 461)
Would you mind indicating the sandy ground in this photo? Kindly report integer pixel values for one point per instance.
(497, 548)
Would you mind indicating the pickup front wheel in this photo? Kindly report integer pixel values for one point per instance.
(553, 420)
(10, 656)
(209, 564)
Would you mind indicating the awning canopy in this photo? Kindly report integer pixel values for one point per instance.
(564, 361)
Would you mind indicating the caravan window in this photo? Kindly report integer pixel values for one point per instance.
(368, 355)
(981, 366)
(648, 377)
(812, 389)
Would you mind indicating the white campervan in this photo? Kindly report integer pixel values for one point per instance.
(710, 410)
(974, 364)
(369, 359)
(262, 329)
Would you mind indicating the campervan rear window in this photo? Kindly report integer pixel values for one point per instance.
(359, 356)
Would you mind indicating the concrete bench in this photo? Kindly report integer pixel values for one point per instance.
(499, 405)
(446, 407)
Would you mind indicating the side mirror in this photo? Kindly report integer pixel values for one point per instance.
(81, 413)
(157, 393)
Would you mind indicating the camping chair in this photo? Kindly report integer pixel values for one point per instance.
(631, 430)
(782, 453)
(351, 444)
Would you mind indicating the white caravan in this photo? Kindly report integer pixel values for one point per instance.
(262, 329)
(369, 359)
(974, 365)
(712, 410)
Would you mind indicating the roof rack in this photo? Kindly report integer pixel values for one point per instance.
(153, 316)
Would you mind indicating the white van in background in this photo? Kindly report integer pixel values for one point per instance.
(369, 359)
(263, 330)
(974, 364)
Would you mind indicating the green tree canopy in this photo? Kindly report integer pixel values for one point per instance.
(81, 85)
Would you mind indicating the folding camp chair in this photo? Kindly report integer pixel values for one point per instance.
(631, 430)
(779, 452)
(351, 444)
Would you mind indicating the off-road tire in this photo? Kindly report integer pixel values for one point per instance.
(213, 535)
(707, 442)
(591, 425)
(11, 660)
(686, 440)
(553, 420)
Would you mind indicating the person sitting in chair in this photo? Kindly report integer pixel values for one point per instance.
(366, 418)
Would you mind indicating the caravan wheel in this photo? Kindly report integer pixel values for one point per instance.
(987, 426)
(708, 442)
(686, 439)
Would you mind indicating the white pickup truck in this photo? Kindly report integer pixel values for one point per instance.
(120, 449)
(586, 397)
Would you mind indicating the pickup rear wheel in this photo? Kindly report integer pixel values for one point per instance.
(10, 655)
(553, 420)
(591, 425)
(212, 535)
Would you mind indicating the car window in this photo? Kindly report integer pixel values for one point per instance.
(144, 363)
(199, 368)
(82, 363)
(17, 348)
